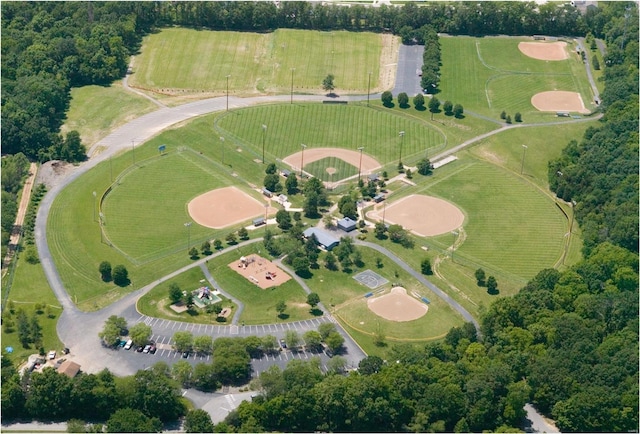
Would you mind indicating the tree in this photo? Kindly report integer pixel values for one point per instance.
(49, 395)
(434, 105)
(458, 111)
(403, 100)
(183, 341)
(425, 167)
(336, 365)
(203, 344)
(508, 119)
(418, 101)
(105, 271)
(283, 218)
(231, 238)
(24, 332)
(281, 306)
(312, 340)
(492, 285)
(272, 183)
(596, 63)
(480, 276)
(140, 333)
(518, 117)
(182, 372)
(120, 275)
(425, 267)
(380, 230)
(370, 365)
(447, 106)
(330, 261)
(271, 169)
(300, 265)
(114, 327)
(310, 206)
(217, 244)
(206, 248)
(132, 420)
(198, 421)
(313, 299)
(193, 253)
(291, 184)
(387, 98)
(292, 338)
(325, 329)
(334, 341)
(503, 115)
(327, 83)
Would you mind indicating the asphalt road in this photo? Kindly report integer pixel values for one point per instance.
(79, 330)
(409, 63)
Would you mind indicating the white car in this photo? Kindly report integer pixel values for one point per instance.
(52, 355)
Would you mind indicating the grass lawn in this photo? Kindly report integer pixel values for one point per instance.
(259, 303)
(29, 287)
(95, 111)
(156, 303)
(201, 60)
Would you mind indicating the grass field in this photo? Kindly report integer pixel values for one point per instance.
(95, 111)
(342, 169)
(256, 62)
(495, 76)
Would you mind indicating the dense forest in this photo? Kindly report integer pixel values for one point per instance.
(567, 342)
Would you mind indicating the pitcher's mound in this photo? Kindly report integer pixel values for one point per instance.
(397, 306)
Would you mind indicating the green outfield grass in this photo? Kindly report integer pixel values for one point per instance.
(201, 60)
(156, 303)
(342, 169)
(95, 111)
(489, 75)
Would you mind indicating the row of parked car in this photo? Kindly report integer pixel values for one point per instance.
(149, 348)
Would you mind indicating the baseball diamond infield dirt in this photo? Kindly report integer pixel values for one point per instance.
(544, 50)
(259, 271)
(224, 207)
(425, 216)
(558, 101)
(397, 306)
(369, 164)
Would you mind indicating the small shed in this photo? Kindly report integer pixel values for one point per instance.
(267, 192)
(69, 368)
(259, 221)
(378, 198)
(346, 224)
(374, 177)
(285, 173)
(325, 239)
(282, 199)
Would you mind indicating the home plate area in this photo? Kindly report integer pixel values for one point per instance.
(371, 279)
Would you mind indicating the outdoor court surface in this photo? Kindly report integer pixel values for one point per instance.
(224, 207)
(397, 306)
(425, 216)
(255, 269)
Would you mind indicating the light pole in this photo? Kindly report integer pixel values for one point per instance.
(133, 148)
(302, 159)
(384, 210)
(401, 143)
(188, 226)
(266, 209)
(94, 206)
(264, 133)
(292, 70)
(368, 88)
(360, 164)
(228, 92)
(524, 151)
(453, 246)
(222, 148)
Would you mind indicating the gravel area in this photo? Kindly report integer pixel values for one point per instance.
(52, 172)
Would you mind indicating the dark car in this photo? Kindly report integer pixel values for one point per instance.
(185, 354)
(140, 348)
(153, 349)
(283, 344)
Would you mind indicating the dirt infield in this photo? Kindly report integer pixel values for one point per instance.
(397, 306)
(425, 216)
(224, 207)
(255, 269)
(558, 101)
(369, 164)
(544, 50)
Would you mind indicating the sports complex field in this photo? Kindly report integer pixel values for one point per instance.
(511, 226)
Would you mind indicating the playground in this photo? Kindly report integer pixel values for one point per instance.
(259, 271)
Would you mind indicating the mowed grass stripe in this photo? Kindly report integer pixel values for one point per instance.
(515, 227)
(342, 169)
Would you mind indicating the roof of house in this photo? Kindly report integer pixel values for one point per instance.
(346, 223)
(323, 237)
(69, 368)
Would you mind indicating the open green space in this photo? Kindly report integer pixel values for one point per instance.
(95, 111)
(156, 303)
(330, 169)
(489, 75)
(201, 60)
(260, 304)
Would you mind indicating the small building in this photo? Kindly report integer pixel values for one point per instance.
(562, 114)
(539, 37)
(346, 224)
(285, 173)
(69, 368)
(378, 198)
(267, 192)
(282, 199)
(374, 177)
(259, 221)
(325, 239)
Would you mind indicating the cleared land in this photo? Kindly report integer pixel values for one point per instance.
(545, 50)
(224, 207)
(397, 306)
(559, 101)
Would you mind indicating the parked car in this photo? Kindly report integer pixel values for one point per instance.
(185, 354)
(146, 348)
(140, 348)
(153, 349)
(128, 345)
(283, 344)
(52, 355)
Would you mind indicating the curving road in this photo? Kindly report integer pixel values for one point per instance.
(78, 330)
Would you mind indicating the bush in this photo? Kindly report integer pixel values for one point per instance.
(31, 255)
(105, 271)
(121, 275)
(387, 98)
